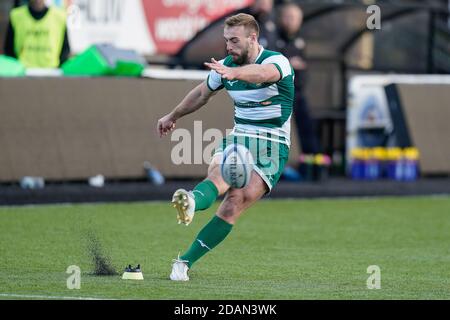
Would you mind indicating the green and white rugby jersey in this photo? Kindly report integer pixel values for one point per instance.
(261, 110)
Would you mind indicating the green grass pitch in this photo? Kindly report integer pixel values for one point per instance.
(283, 249)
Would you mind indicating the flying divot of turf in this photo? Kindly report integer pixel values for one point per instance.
(102, 262)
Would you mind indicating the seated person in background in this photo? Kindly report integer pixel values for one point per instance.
(263, 11)
(37, 35)
(292, 45)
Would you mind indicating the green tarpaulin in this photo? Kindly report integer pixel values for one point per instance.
(10, 67)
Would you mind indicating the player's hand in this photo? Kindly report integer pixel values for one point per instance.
(165, 125)
(226, 72)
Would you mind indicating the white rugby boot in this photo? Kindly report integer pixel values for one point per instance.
(184, 202)
(179, 270)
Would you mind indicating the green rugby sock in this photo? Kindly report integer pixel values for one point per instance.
(210, 236)
(205, 194)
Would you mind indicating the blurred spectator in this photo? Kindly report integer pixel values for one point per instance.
(37, 35)
(263, 12)
(292, 45)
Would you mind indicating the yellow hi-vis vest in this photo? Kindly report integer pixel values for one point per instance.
(38, 43)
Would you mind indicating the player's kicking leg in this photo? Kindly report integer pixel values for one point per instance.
(217, 229)
(187, 202)
(271, 158)
(203, 195)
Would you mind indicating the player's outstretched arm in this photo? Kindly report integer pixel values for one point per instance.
(193, 101)
(253, 73)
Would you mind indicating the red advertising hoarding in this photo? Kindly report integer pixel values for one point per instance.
(173, 22)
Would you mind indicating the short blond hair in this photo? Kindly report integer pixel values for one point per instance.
(243, 19)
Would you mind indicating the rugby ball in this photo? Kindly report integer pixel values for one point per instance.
(237, 165)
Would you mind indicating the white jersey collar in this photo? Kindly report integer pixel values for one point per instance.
(261, 49)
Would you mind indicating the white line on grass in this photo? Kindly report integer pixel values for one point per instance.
(362, 197)
(34, 296)
(70, 204)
